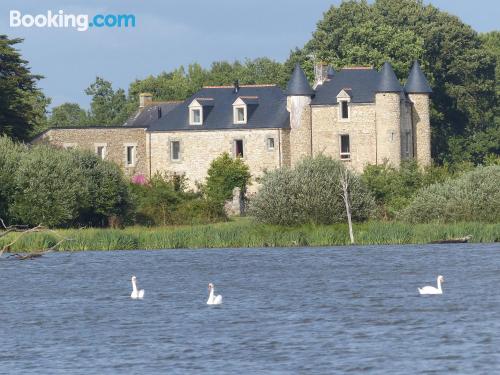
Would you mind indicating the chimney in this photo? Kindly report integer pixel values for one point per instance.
(145, 98)
(236, 86)
(320, 73)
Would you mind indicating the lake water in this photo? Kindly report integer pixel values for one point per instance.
(285, 311)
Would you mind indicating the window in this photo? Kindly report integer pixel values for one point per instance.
(238, 148)
(240, 115)
(130, 155)
(270, 143)
(345, 150)
(344, 110)
(195, 116)
(101, 152)
(407, 143)
(175, 150)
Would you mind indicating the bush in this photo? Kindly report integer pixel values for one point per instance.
(108, 192)
(49, 188)
(165, 200)
(394, 188)
(10, 156)
(55, 187)
(310, 193)
(224, 175)
(474, 196)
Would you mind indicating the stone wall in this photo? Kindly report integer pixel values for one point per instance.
(388, 123)
(300, 124)
(113, 139)
(328, 127)
(407, 132)
(198, 148)
(422, 128)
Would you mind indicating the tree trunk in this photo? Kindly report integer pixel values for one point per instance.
(344, 181)
(348, 211)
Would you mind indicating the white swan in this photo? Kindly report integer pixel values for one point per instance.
(431, 289)
(136, 294)
(212, 298)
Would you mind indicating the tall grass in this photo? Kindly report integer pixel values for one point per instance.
(247, 233)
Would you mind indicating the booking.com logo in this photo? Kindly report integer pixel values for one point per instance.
(79, 22)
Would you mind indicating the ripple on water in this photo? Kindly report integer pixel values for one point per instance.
(308, 310)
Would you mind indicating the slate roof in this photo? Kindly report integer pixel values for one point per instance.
(417, 83)
(298, 84)
(360, 83)
(388, 82)
(330, 72)
(144, 117)
(268, 110)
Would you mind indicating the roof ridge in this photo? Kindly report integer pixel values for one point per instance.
(163, 102)
(357, 67)
(232, 87)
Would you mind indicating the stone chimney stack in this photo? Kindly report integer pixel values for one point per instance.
(145, 98)
(320, 73)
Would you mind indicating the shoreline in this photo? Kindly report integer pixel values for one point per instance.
(246, 233)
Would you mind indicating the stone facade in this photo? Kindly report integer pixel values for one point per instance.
(422, 127)
(389, 126)
(113, 140)
(198, 148)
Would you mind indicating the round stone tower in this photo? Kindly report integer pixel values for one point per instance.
(299, 94)
(419, 91)
(388, 116)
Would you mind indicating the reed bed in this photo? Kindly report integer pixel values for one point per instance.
(246, 232)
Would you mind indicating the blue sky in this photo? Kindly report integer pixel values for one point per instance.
(170, 33)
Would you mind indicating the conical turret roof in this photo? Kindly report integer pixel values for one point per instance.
(298, 84)
(417, 83)
(388, 82)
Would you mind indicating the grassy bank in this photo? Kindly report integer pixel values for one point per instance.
(246, 233)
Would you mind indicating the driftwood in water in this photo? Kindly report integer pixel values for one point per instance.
(454, 240)
(26, 256)
(4, 230)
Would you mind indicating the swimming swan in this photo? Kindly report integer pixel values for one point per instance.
(212, 298)
(136, 294)
(431, 289)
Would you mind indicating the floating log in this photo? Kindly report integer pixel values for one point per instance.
(453, 240)
(26, 256)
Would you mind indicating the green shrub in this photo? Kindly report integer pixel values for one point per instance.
(224, 175)
(49, 188)
(394, 188)
(165, 200)
(55, 187)
(309, 193)
(475, 196)
(10, 156)
(108, 192)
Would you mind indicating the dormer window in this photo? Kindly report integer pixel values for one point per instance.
(242, 107)
(195, 118)
(240, 114)
(199, 110)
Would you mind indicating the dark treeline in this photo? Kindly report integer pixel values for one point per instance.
(461, 64)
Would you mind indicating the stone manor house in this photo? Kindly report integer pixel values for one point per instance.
(358, 115)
